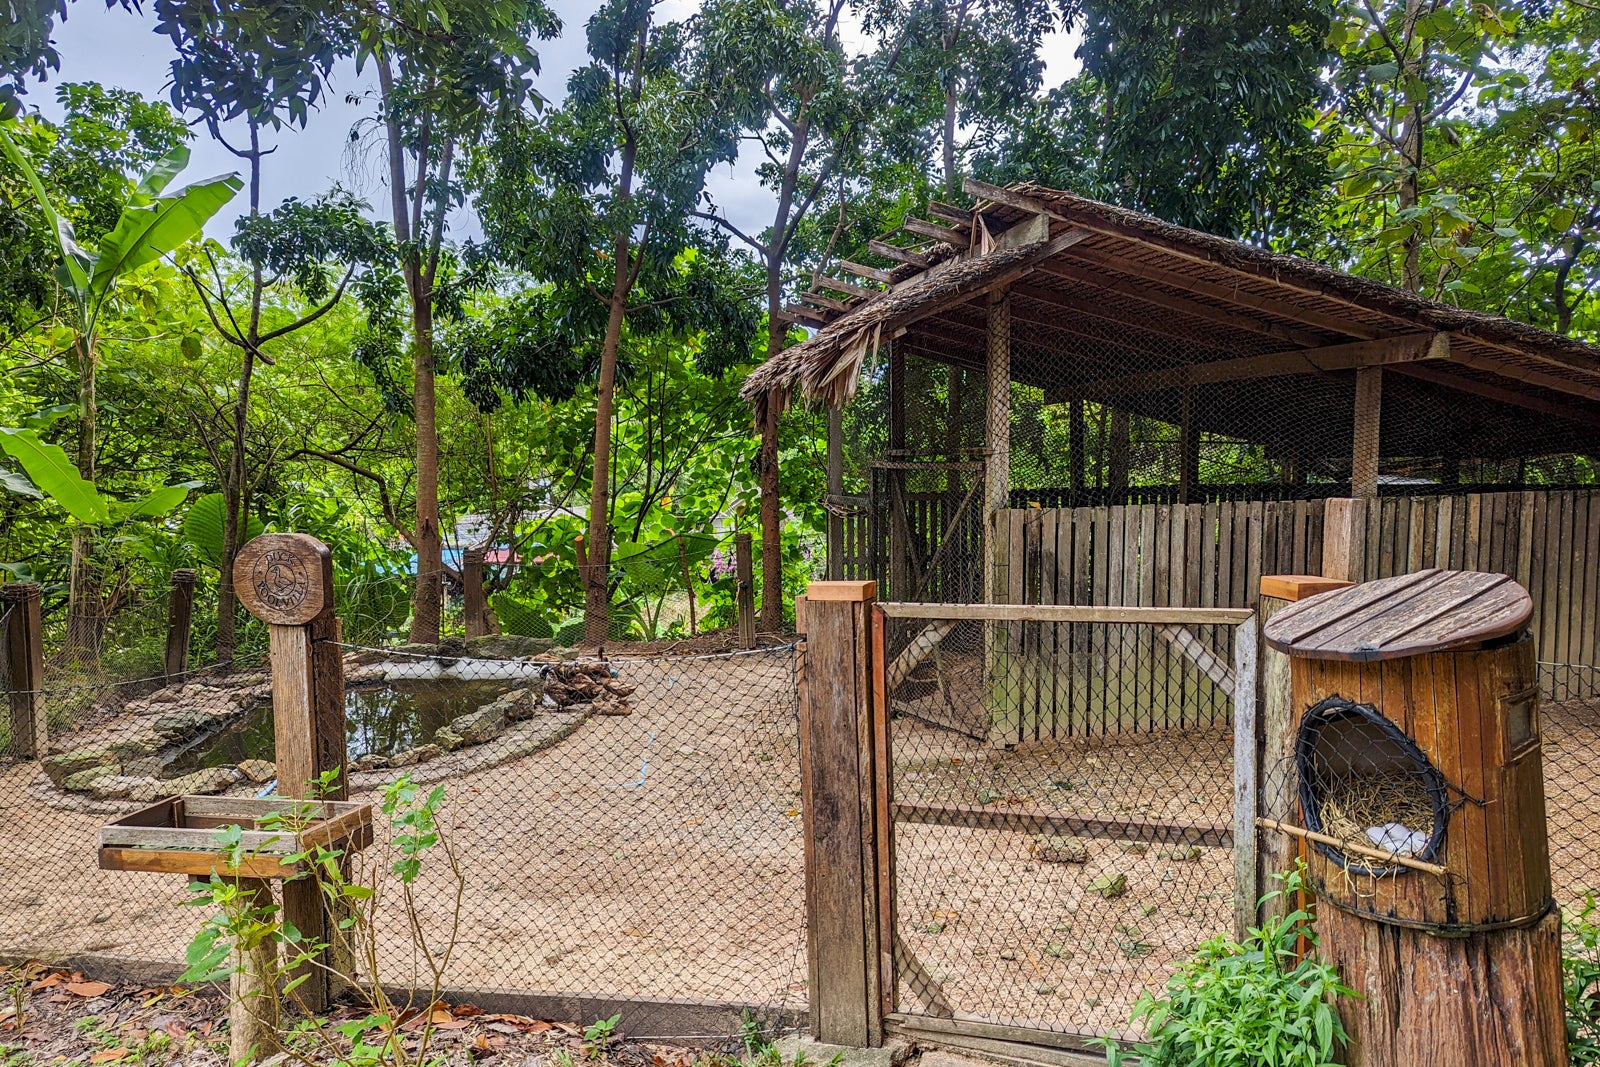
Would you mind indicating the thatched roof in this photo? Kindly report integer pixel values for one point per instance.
(1110, 277)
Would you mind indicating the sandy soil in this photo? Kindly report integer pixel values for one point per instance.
(660, 854)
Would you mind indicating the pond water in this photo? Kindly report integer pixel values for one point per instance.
(381, 720)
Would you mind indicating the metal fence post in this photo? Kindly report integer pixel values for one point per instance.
(25, 657)
(842, 785)
(180, 619)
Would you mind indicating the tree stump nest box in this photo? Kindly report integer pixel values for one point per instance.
(1420, 781)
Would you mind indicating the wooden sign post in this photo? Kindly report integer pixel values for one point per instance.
(286, 581)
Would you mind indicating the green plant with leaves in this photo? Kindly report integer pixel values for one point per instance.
(1580, 968)
(1257, 1004)
(153, 224)
(248, 932)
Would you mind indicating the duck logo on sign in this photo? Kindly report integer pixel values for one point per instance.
(280, 580)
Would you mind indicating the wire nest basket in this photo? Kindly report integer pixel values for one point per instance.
(1363, 781)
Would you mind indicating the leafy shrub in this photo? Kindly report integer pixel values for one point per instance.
(518, 616)
(1580, 967)
(1249, 1005)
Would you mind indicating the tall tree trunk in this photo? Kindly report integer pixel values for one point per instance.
(771, 511)
(596, 577)
(233, 489)
(85, 608)
(425, 601)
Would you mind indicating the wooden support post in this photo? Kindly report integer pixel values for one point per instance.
(899, 521)
(1077, 451)
(835, 492)
(180, 617)
(286, 580)
(1188, 450)
(252, 1007)
(24, 652)
(1344, 535)
(473, 604)
(997, 436)
(844, 781)
(744, 575)
(1274, 744)
(1246, 779)
(1117, 456)
(1368, 416)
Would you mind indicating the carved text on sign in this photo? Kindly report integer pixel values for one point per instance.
(280, 579)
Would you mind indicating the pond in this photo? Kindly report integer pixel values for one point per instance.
(381, 720)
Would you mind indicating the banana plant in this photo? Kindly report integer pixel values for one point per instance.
(153, 223)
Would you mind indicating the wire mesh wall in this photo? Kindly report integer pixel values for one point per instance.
(1062, 796)
(628, 828)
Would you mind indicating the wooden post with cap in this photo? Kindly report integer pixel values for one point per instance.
(843, 781)
(286, 581)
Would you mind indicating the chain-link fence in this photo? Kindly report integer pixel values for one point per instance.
(1062, 794)
(628, 828)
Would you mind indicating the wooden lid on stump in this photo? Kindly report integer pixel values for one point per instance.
(1407, 615)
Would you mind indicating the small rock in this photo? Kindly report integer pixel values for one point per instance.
(258, 770)
(165, 696)
(405, 758)
(1051, 848)
(1008, 954)
(479, 726)
(369, 761)
(1110, 886)
(59, 766)
(424, 753)
(83, 781)
(606, 704)
(205, 780)
(552, 956)
(1136, 848)
(447, 739)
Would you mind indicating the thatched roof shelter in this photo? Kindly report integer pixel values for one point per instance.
(1110, 305)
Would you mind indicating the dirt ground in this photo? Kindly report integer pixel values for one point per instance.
(660, 854)
(72, 1018)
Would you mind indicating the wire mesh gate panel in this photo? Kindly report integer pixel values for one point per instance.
(627, 828)
(1063, 797)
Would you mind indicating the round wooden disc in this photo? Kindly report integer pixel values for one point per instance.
(284, 578)
(1406, 615)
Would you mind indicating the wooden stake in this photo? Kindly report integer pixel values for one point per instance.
(1246, 780)
(473, 603)
(1364, 451)
(180, 617)
(252, 1006)
(24, 651)
(1188, 450)
(835, 491)
(744, 572)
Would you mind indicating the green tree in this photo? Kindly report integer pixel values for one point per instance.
(153, 224)
(449, 73)
(267, 66)
(595, 200)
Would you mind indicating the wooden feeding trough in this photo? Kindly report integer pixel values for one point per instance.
(180, 835)
(1421, 793)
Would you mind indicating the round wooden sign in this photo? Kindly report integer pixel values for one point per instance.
(284, 578)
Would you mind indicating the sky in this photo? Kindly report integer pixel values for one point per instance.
(120, 48)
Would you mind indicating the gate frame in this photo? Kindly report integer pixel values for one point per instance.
(846, 781)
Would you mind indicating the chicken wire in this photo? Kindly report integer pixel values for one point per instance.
(1063, 795)
(628, 828)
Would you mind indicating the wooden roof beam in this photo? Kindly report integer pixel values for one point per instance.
(1439, 376)
(1222, 316)
(1320, 320)
(799, 313)
(872, 274)
(951, 237)
(997, 195)
(1408, 348)
(1194, 337)
(1532, 377)
(898, 254)
(818, 300)
(839, 285)
(954, 215)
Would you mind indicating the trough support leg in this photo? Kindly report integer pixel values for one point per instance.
(252, 1002)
